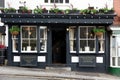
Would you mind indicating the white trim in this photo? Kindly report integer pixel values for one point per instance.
(74, 59)
(115, 66)
(115, 28)
(41, 59)
(86, 51)
(16, 58)
(99, 59)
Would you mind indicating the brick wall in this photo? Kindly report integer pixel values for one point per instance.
(116, 4)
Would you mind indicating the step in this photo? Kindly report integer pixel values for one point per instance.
(59, 68)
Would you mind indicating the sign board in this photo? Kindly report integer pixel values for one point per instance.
(87, 61)
(28, 60)
(116, 32)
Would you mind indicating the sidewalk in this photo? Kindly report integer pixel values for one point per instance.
(35, 72)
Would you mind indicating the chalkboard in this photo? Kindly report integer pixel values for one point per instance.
(28, 60)
(87, 61)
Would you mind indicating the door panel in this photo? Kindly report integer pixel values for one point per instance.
(58, 46)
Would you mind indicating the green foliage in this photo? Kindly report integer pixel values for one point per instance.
(38, 10)
(98, 30)
(56, 10)
(7, 10)
(24, 8)
(14, 28)
(67, 11)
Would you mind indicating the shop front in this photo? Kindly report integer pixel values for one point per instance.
(115, 50)
(59, 40)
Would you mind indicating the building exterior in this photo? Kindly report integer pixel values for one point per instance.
(115, 51)
(59, 39)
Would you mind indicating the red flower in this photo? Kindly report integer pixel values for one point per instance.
(2, 46)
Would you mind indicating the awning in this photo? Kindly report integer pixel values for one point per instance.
(105, 19)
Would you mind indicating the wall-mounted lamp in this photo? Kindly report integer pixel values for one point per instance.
(67, 29)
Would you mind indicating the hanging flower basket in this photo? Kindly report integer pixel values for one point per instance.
(98, 31)
(14, 30)
(99, 34)
(15, 33)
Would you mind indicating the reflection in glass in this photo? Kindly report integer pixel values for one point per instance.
(72, 33)
(86, 38)
(113, 61)
(14, 43)
(43, 38)
(29, 38)
(118, 61)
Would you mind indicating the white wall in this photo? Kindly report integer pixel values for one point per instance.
(80, 4)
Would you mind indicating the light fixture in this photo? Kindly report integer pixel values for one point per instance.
(67, 29)
(1, 23)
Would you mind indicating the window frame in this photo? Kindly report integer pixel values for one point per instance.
(86, 39)
(74, 39)
(30, 51)
(114, 55)
(44, 38)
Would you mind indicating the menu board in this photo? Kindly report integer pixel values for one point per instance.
(28, 60)
(87, 61)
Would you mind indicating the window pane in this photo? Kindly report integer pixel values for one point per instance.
(118, 61)
(82, 45)
(56, 1)
(43, 38)
(83, 32)
(91, 43)
(66, 1)
(25, 32)
(15, 44)
(72, 45)
(46, 1)
(113, 61)
(52, 1)
(101, 45)
(113, 45)
(72, 38)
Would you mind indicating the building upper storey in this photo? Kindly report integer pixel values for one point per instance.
(62, 4)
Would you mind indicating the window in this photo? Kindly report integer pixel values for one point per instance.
(56, 1)
(46, 1)
(43, 38)
(29, 39)
(66, 1)
(15, 43)
(101, 42)
(115, 51)
(72, 38)
(2, 3)
(14, 40)
(87, 39)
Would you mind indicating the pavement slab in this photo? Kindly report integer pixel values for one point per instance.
(71, 75)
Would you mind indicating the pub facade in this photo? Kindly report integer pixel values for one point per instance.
(59, 40)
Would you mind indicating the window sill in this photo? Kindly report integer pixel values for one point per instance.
(72, 51)
(115, 66)
(100, 51)
(15, 51)
(29, 51)
(43, 51)
(86, 51)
